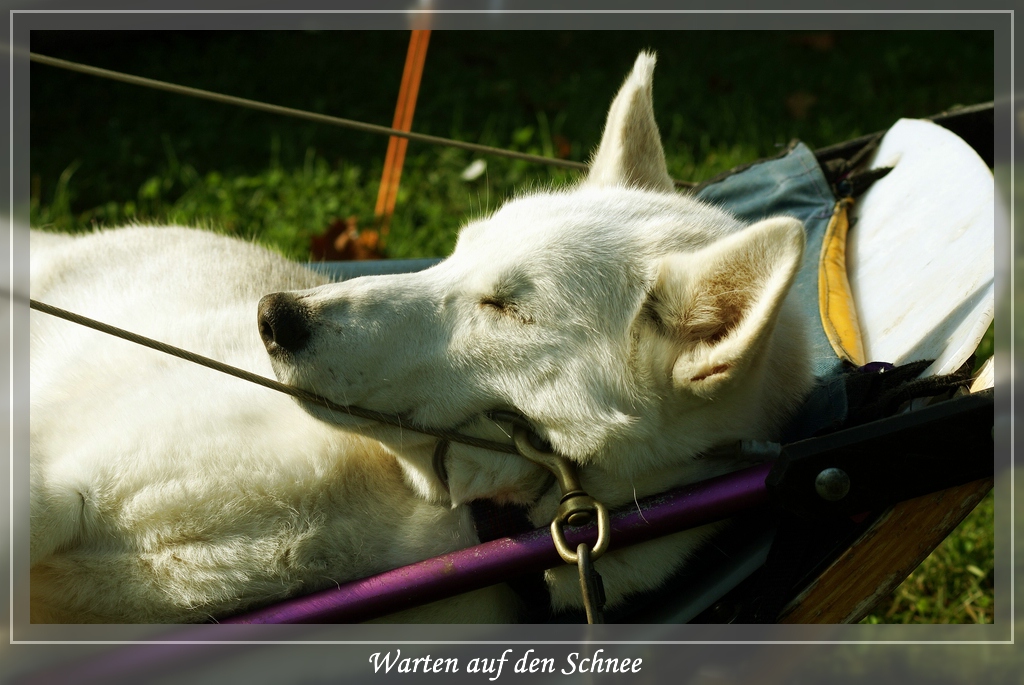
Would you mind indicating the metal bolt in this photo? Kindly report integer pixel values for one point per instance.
(832, 484)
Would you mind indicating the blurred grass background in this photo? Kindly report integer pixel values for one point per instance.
(105, 153)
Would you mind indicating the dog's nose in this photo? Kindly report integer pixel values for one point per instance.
(284, 323)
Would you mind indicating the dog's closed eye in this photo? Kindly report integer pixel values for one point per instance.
(650, 310)
(495, 303)
(505, 306)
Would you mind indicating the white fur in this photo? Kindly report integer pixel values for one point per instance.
(633, 326)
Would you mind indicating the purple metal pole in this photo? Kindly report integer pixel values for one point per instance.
(498, 560)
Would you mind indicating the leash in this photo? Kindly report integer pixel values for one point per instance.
(359, 412)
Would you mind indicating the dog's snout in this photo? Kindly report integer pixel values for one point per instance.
(284, 323)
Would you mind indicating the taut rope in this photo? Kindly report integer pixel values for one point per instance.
(380, 417)
(309, 116)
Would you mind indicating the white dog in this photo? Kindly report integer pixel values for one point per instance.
(632, 326)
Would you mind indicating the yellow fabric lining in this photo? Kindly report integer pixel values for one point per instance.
(835, 300)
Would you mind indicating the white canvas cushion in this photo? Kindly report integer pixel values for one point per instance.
(921, 255)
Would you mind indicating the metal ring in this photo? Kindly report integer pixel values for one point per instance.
(603, 537)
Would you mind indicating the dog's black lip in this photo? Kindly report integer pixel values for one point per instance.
(405, 418)
(497, 415)
(509, 416)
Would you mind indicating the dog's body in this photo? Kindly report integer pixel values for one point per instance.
(633, 327)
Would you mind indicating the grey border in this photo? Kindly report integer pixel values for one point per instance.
(641, 635)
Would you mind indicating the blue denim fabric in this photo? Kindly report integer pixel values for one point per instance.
(794, 185)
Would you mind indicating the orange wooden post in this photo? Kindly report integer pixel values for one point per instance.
(407, 93)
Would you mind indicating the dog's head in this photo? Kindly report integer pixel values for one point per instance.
(633, 326)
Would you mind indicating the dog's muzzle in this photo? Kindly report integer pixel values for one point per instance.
(284, 323)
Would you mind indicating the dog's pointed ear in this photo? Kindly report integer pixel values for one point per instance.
(630, 153)
(718, 306)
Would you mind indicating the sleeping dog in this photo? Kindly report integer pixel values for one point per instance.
(633, 328)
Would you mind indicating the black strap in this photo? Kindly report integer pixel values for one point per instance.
(878, 395)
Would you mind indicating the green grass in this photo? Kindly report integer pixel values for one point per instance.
(721, 99)
(104, 153)
(954, 584)
(284, 207)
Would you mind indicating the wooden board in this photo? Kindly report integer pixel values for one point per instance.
(883, 556)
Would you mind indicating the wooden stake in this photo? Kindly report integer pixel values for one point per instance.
(395, 158)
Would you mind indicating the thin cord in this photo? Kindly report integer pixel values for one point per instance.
(301, 114)
(311, 116)
(389, 419)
